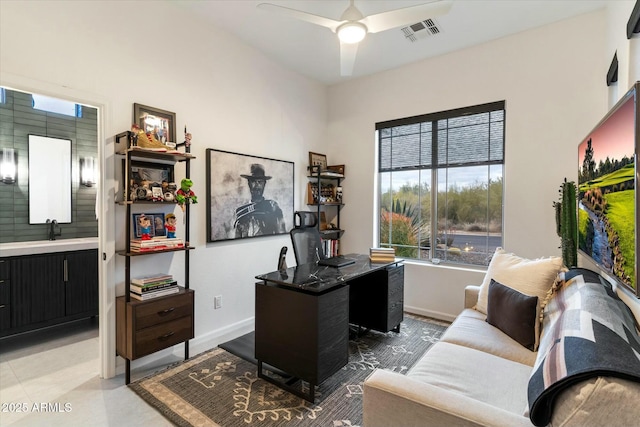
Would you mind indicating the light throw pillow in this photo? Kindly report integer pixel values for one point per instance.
(514, 313)
(533, 277)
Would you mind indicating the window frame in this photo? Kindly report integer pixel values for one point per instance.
(435, 167)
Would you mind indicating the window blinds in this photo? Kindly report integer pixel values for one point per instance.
(462, 137)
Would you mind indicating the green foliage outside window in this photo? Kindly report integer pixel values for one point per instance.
(476, 208)
(397, 229)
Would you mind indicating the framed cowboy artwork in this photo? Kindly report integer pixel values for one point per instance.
(247, 196)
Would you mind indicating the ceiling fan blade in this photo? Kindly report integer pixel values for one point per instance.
(332, 24)
(406, 16)
(348, 53)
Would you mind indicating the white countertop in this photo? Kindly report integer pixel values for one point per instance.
(47, 246)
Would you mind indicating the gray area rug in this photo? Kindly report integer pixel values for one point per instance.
(218, 388)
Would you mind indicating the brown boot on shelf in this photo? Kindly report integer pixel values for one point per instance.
(147, 141)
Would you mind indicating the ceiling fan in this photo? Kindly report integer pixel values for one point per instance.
(353, 26)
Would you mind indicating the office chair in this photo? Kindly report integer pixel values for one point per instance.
(305, 238)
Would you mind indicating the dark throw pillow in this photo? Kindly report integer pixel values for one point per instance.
(513, 313)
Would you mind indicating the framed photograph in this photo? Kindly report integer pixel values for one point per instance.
(158, 224)
(247, 196)
(148, 180)
(153, 222)
(316, 159)
(159, 122)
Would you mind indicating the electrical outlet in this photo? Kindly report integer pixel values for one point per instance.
(217, 302)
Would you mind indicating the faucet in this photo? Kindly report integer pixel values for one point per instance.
(52, 229)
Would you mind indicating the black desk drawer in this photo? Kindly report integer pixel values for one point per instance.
(305, 335)
(396, 278)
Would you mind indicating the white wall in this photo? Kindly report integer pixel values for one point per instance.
(627, 51)
(233, 98)
(230, 96)
(553, 81)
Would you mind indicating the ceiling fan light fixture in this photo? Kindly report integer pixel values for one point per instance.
(351, 32)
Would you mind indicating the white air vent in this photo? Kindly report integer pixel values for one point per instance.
(421, 30)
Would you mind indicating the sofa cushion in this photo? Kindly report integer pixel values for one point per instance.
(533, 277)
(470, 329)
(512, 312)
(478, 375)
(393, 399)
(528, 276)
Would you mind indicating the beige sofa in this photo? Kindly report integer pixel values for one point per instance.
(478, 376)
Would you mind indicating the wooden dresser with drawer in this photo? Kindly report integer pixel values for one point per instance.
(144, 327)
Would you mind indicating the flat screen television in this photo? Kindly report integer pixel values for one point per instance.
(607, 204)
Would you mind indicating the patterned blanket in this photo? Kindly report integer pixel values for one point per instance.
(587, 332)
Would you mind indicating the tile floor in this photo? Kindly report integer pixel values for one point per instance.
(59, 367)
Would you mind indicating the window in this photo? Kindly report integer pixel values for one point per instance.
(441, 184)
(54, 105)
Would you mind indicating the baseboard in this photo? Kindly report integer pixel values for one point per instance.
(430, 313)
(224, 334)
(196, 345)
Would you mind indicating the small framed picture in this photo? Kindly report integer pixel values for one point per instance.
(161, 123)
(157, 194)
(158, 225)
(142, 226)
(317, 160)
(150, 224)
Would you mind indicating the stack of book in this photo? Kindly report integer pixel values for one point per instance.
(382, 254)
(331, 247)
(156, 244)
(154, 286)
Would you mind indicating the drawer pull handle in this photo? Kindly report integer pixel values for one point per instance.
(2, 306)
(165, 312)
(166, 336)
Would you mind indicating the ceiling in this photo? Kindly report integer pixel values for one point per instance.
(314, 51)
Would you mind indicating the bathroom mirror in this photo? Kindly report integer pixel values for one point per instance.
(49, 179)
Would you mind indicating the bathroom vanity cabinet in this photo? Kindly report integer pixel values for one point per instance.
(43, 290)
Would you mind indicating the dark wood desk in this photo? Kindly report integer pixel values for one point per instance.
(303, 315)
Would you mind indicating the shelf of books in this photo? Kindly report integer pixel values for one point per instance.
(331, 247)
(148, 176)
(324, 192)
(155, 244)
(149, 287)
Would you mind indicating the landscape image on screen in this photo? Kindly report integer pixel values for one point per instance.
(606, 214)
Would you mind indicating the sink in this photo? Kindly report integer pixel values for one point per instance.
(47, 246)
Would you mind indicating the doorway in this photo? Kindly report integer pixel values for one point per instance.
(98, 208)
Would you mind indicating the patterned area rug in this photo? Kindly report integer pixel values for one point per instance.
(218, 388)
